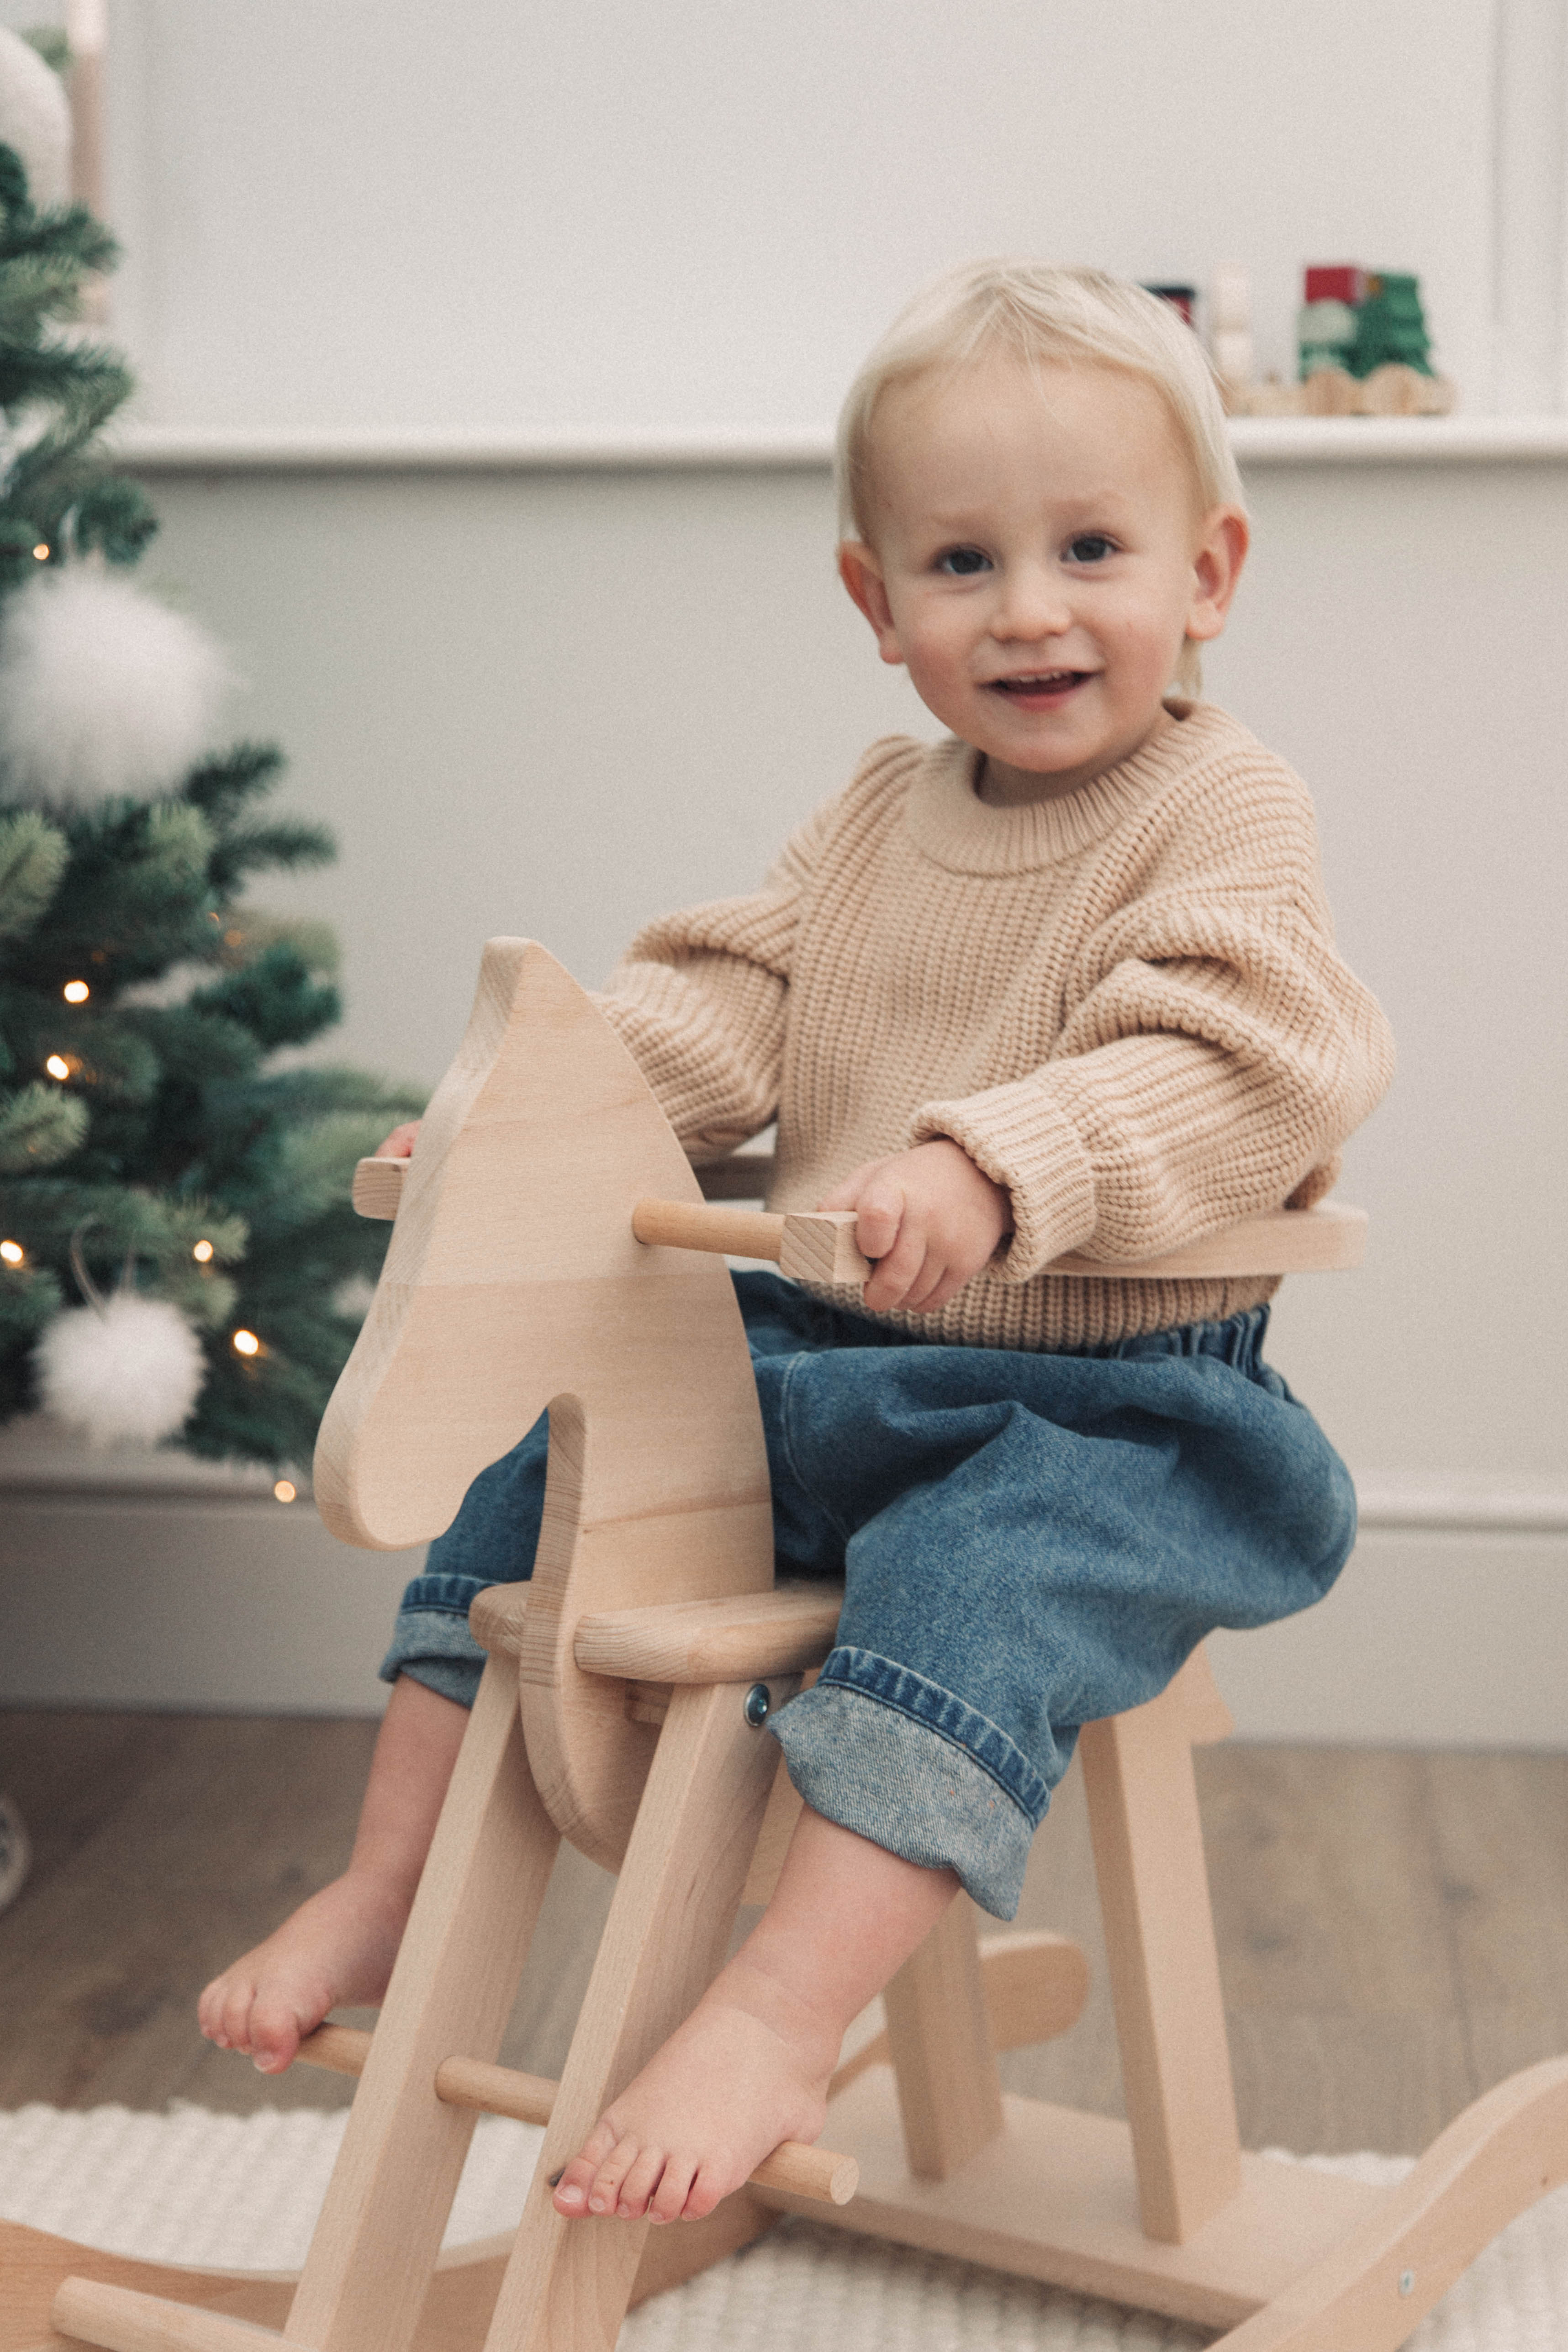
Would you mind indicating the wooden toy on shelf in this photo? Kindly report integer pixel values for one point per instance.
(620, 1709)
(1362, 343)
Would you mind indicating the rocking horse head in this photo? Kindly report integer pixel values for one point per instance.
(514, 1285)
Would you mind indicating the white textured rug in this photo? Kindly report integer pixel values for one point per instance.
(242, 2193)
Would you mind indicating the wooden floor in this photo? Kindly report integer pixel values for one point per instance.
(1393, 1926)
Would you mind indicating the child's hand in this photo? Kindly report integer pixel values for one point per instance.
(930, 1218)
(399, 1144)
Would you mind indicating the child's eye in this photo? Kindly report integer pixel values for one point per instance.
(962, 562)
(1090, 547)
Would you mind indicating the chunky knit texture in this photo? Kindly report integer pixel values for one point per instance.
(1124, 1004)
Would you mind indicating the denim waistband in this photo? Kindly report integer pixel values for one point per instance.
(1237, 1341)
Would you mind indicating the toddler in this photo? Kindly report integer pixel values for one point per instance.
(1063, 982)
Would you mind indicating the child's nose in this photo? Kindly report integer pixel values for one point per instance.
(1031, 606)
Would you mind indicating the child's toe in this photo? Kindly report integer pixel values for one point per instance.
(577, 2177)
(605, 2190)
(671, 2198)
(274, 2036)
(232, 2014)
(640, 2183)
(705, 2190)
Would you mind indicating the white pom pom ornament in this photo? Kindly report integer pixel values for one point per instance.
(102, 688)
(35, 120)
(130, 1368)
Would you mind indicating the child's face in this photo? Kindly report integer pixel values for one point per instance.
(1038, 560)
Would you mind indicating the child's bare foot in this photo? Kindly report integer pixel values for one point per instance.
(748, 2069)
(337, 1949)
(340, 1946)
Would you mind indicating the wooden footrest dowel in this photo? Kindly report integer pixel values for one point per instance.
(815, 2172)
(121, 2320)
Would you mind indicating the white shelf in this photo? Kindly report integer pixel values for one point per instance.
(439, 449)
(1259, 441)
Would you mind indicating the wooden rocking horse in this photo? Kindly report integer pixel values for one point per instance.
(551, 1249)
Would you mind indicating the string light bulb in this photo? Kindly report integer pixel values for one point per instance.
(57, 1067)
(76, 992)
(246, 1343)
(285, 1490)
(41, 552)
(13, 1253)
(202, 1252)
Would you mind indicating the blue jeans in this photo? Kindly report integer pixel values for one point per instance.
(1027, 1542)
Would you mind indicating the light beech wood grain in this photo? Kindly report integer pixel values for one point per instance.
(1034, 1985)
(1370, 2290)
(512, 1283)
(34, 2266)
(757, 1635)
(95, 2311)
(1163, 1965)
(819, 1247)
(1327, 1239)
(567, 2284)
(809, 1245)
(377, 1189)
(938, 2039)
(1055, 2196)
(452, 1987)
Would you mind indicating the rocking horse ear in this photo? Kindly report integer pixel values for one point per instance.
(512, 1240)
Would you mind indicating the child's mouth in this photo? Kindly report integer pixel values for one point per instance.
(1042, 690)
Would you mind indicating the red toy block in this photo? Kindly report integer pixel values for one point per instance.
(1336, 282)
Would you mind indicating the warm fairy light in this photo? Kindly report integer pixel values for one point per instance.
(285, 1490)
(202, 1252)
(246, 1343)
(76, 992)
(13, 1253)
(57, 1067)
(41, 552)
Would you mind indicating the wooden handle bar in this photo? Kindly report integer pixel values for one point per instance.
(820, 1246)
(814, 2172)
(817, 1247)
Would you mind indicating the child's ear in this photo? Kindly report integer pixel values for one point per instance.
(1223, 541)
(862, 576)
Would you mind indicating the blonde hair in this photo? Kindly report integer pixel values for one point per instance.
(1041, 313)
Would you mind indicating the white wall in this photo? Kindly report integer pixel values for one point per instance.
(558, 703)
(700, 214)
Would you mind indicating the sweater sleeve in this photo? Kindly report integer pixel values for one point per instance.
(1215, 1056)
(699, 1000)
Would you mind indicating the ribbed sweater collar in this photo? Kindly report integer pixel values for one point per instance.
(949, 824)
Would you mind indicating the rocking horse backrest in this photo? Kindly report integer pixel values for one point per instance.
(512, 1284)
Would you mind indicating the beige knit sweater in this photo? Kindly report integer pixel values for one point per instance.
(1125, 1006)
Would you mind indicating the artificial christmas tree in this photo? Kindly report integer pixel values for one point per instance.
(178, 1252)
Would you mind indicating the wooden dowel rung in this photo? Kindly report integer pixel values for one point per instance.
(378, 1187)
(122, 2319)
(815, 2172)
(495, 2090)
(708, 1225)
(340, 2049)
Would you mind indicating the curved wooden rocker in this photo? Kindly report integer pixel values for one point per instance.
(552, 1250)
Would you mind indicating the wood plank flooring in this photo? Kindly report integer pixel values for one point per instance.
(1392, 1925)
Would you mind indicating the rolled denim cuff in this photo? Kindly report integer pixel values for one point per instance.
(902, 1762)
(431, 1642)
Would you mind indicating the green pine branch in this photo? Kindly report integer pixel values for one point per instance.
(129, 963)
